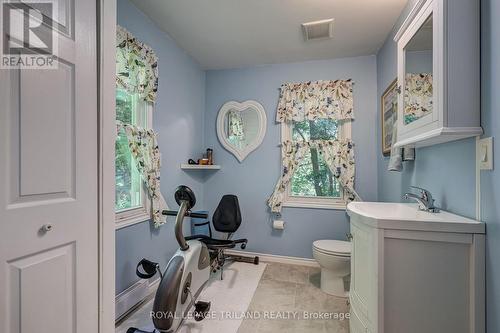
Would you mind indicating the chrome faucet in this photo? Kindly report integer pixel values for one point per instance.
(425, 200)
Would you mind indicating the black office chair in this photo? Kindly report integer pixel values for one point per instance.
(226, 219)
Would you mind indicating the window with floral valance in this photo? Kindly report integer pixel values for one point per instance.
(318, 166)
(312, 100)
(136, 66)
(137, 157)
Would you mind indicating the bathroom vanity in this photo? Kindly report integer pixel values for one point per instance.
(413, 271)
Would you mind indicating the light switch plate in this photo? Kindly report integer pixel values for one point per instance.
(484, 153)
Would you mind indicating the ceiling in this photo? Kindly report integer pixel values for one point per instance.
(237, 33)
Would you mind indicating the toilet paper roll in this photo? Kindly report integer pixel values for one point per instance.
(279, 224)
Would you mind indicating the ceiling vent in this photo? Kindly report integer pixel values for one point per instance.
(318, 30)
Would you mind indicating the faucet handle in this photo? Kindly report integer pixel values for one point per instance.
(418, 188)
(425, 193)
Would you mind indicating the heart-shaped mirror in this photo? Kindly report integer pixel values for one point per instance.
(241, 127)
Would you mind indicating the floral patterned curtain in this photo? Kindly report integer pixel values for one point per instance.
(291, 156)
(338, 155)
(136, 66)
(144, 148)
(313, 100)
(417, 96)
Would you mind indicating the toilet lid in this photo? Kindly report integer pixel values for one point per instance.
(337, 247)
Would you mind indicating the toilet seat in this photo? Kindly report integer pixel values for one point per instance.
(333, 247)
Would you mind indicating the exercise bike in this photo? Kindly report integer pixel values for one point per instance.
(185, 276)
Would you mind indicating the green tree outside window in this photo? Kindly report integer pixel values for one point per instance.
(312, 177)
(128, 182)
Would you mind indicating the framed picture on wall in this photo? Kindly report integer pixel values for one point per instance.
(389, 103)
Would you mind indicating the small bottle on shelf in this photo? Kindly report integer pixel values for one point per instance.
(210, 156)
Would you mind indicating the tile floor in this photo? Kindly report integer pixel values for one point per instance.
(283, 289)
(295, 289)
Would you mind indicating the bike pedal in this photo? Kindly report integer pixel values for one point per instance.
(200, 310)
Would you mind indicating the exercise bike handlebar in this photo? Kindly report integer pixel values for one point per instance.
(183, 211)
(188, 213)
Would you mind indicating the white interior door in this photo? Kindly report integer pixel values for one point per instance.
(49, 179)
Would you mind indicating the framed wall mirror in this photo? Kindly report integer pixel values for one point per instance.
(241, 127)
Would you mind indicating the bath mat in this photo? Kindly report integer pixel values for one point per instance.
(229, 299)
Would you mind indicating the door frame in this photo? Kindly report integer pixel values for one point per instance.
(107, 131)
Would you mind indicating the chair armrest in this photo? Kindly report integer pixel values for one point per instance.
(221, 246)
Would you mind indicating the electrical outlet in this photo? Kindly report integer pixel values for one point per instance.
(484, 153)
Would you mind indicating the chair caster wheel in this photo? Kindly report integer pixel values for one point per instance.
(243, 246)
(256, 261)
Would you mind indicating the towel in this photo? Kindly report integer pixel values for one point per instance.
(399, 155)
(396, 159)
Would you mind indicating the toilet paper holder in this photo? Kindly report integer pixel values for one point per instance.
(278, 224)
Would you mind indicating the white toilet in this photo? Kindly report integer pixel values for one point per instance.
(334, 257)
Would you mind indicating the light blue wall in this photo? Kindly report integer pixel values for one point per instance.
(178, 118)
(254, 179)
(447, 170)
(490, 180)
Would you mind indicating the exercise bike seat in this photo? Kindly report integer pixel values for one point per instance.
(213, 243)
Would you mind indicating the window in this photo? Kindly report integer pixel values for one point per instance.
(313, 185)
(131, 202)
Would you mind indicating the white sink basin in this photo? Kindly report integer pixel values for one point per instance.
(406, 216)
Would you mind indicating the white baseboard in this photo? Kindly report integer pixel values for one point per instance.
(275, 258)
(134, 295)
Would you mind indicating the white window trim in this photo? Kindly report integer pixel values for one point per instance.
(345, 132)
(136, 215)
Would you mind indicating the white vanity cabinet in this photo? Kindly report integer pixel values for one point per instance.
(415, 272)
(438, 64)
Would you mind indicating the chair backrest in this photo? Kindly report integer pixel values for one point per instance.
(227, 216)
